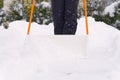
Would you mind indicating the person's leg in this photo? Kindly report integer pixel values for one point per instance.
(58, 15)
(70, 24)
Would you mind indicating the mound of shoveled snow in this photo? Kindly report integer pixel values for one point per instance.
(25, 58)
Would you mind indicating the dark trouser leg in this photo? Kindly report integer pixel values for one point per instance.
(70, 24)
(58, 15)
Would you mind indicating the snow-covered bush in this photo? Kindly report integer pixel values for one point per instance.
(3, 19)
(95, 8)
(2, 15)
(15, 12)
(111, 9)
(42, 13)
(113, 14)
(102, 11)
(45, 14)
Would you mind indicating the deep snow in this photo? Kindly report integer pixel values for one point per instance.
(20, 58)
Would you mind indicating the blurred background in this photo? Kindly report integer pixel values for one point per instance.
(107, 11)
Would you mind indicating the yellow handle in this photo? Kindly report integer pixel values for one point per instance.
(86, 19)
(31, 14)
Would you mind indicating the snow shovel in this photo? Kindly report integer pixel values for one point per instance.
(61, 44)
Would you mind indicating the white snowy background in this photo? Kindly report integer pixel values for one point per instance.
(19, 59)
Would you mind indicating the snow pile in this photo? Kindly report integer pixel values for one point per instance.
(111, 9)
(20, 58)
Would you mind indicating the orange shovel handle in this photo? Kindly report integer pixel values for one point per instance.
(86, 15)
(31, 16)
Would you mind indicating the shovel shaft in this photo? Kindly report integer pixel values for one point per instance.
(31, 16)
(86, 19)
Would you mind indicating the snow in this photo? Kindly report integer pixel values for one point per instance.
(111, 9)
(45, 4)
(20, 58)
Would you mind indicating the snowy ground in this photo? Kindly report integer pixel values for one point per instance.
(19, 59)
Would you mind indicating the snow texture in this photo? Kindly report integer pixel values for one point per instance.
(22, 59)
